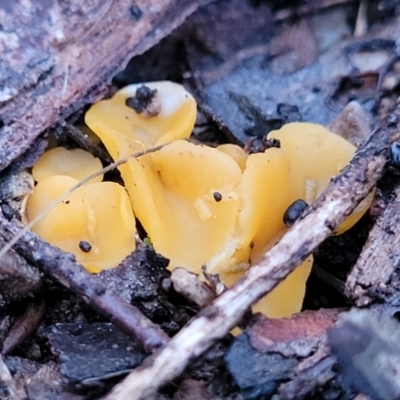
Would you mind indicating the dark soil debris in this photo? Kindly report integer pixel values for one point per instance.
(93, 351)
(144, 101)
(257, 375)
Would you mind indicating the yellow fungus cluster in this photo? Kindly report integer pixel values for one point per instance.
(218, 207)
(95, 222)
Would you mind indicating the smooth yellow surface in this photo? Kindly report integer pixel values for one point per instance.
(99, 213)
(236, 152)
(287, 298)
(114, 122)
(266, 193)
(172, 192)
(316, 155)
(76, 163)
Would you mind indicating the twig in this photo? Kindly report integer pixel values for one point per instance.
(25, 325)
(63, 267)
(189, 285)
(83, 141)
(341, 197)
(361, 27)
(308, 8)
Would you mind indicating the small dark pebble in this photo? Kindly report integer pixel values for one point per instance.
(217, 196)
(85, 246)
(293, 212)
(135, 12)
(8, 212)
(143, 97)
(395, 153)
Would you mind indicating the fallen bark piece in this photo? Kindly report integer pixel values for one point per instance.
(367, 346)
(239, 75)
(58, 57)
(93, 351)
(24, 326)
(310, 374)
(142, 279)
(297, 336)
(284, 355)
(341, 197)
(63, 267)
(380, 256)
(257, 374)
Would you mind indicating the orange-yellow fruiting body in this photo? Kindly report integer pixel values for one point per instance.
(114, 122)
(236, 152)
(316, 155)
(219, 207)
(76, 163)
(287, 298)
(98, 213)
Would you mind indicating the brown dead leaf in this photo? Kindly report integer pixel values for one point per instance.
(293, 49)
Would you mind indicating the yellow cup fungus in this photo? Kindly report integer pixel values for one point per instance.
(316, 155)
(95, 222)
(218, 207)
(76, 163)
(123, 120)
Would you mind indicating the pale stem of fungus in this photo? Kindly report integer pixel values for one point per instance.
(110, 167)
(338, 200)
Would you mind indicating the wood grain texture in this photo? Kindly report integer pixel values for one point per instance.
(58, 56)
(380, 256)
